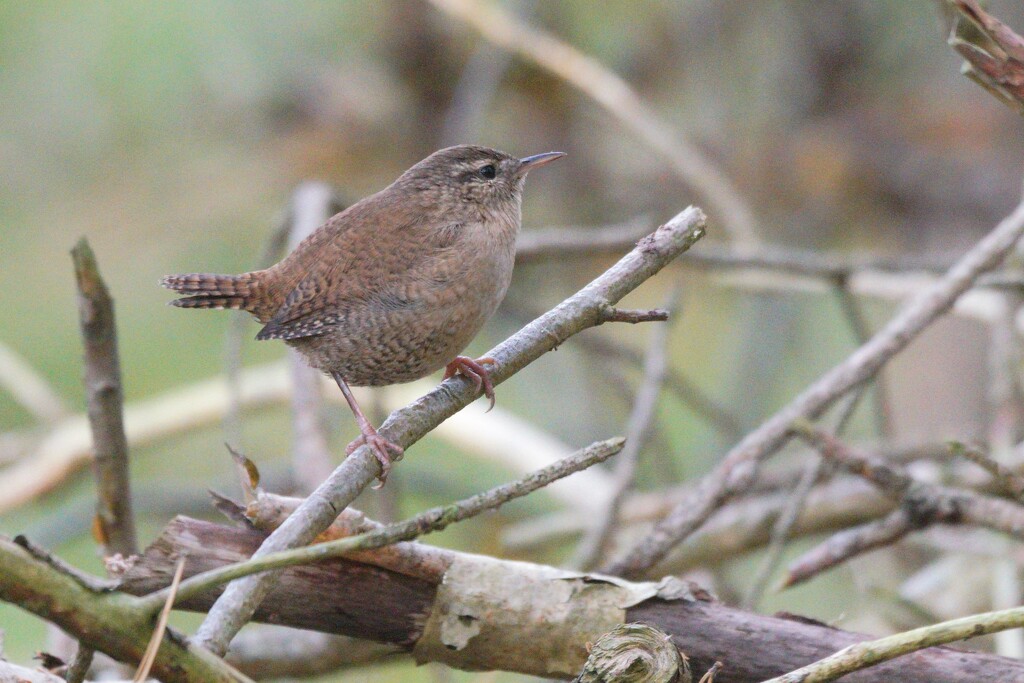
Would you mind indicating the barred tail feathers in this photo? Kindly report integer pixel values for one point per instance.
(207, 290)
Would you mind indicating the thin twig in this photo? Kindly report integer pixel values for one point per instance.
(594, 543)
(846, 544)
(872, 652)
(709, 675)
(794, 508)
(862, 333)
(406, 426)
(79, 666)
(634, 316)
(432, 520)
(739, 467)
(84, 579)
(695, 398)
(613, 93)
(781, 531)
(149, 656)
(922, 505)
(1009, 480)
(115, 525)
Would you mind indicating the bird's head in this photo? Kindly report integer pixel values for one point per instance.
(475, 175)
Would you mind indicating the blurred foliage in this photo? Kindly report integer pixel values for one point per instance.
(172, 133)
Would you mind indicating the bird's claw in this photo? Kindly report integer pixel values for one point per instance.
(475, 371)
(380, 448)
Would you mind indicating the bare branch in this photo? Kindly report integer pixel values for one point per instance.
(922, 505)
(549, 612)
(434, 519)
(79, 666)
(632, 316)
(737, 470)
(781, 531)
(695, 398)
(408, 425)
(848, 544)
(870, 653)
(115, 524)
(103, 621)
(1010, 481)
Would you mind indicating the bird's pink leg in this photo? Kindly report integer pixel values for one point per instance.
(379, 446)
(475, 371)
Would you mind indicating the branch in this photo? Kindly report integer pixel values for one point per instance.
(921, 505)
(847, 544)
(1010, 481)
(633, 316)
(434, 519)
(408, 425)
(863, 655)
(617, 97)
(739, 467)
(516, 616)
(114, 522)
(108, 622)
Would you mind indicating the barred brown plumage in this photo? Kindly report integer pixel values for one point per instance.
(394, 287)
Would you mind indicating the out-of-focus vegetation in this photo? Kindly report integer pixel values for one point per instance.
(171, 134)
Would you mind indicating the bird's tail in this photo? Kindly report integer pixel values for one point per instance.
(206, 290)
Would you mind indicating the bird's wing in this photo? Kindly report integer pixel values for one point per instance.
(342, 281)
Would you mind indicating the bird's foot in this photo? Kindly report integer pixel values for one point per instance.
(476, 372)
(381, 449)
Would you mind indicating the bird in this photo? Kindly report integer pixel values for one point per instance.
(394, 287)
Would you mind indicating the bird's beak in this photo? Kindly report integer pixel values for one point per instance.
(532, 162)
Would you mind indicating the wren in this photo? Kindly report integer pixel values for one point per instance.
(394, 287)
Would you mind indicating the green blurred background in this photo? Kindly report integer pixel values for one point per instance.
(172, 134)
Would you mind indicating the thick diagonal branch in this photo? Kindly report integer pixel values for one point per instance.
(406, 426)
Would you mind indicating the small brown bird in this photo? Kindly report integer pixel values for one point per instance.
(394, 287)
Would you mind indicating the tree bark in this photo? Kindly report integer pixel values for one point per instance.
(463, 620)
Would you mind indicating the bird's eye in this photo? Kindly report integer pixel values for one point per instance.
(488, 172)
